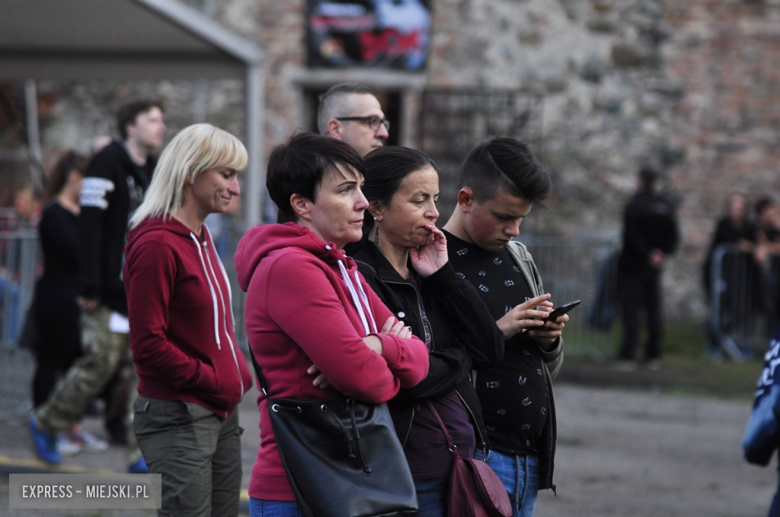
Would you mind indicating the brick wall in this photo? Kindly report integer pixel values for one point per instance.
(726, 55)
(689, 86)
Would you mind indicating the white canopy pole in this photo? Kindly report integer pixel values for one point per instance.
(33, 133)
(254, 143)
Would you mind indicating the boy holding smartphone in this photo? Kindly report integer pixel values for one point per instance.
(500, 180)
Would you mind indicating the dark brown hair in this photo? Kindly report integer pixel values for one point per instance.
(68, 162)
(297, 167)
(504, 163)
(129, 112)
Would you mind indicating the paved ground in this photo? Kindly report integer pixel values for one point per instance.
(640, 454)
(621, 452)
(17, 456)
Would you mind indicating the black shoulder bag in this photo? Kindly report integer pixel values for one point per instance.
(342, 456)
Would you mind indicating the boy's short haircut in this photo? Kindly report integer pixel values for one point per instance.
(507, 164)
(298, 165)
(130, 111)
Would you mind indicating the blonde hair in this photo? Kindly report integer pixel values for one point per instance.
(194, 150)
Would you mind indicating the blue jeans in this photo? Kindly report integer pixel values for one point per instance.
(520, 476)
(263, 508)
(432, 496)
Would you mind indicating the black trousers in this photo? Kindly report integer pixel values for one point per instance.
(640, 291)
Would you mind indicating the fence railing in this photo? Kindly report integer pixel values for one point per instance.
(570, 269)
(581, 269)
(743, 301)
(18, 270)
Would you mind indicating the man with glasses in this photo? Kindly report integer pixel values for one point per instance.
(350, 112)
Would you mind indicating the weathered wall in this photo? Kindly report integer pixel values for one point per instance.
(609, 98)
(689, 86)
(726, 56)
(72, 114)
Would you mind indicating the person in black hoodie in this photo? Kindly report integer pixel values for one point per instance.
(650, 235)
(113, 187)
(404, 259)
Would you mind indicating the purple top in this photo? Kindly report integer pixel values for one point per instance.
(426, 448)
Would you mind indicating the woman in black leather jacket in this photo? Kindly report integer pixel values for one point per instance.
(404, 258)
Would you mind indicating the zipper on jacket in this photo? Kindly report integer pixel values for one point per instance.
(211, 287)
(409, 430)
(423, 319)
(553, 425)
(224, 319)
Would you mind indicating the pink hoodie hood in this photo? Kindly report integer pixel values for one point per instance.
(263, 239)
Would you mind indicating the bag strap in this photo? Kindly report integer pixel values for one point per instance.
(260, 378)
(450, 443)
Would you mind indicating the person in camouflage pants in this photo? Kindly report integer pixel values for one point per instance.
(113, 187)
(102, 352)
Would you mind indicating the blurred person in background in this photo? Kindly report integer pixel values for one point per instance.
(56, 311)
(192, 374)
(351, 113)
(113, 188)
(743, 293)
(650, 236)
(768, 234)
(734, 227)
(27, 204)
(767, 254)
(23, 215)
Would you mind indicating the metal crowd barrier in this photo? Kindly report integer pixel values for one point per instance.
(581, 269)
(743, 302)
(18, 271)
(570, 269)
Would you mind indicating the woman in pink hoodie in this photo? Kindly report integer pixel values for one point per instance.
(191, 371)
(314, 325)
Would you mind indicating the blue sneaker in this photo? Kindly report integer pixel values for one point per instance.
(45, 444)
(139, 467)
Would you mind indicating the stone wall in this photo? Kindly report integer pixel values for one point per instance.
(726, 57)
(609, 98)
(72, 114)
(687, 86)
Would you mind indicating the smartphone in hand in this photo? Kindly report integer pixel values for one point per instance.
(557, 312)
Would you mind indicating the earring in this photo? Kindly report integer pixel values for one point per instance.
(376, 235)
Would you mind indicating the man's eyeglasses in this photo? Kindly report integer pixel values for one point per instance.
(372, 120)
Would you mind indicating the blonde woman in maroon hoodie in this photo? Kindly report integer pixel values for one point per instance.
(191, 371)
(308, 310)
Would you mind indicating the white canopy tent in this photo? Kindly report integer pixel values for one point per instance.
(134, 39)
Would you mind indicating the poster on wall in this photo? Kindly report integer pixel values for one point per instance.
(390, 34)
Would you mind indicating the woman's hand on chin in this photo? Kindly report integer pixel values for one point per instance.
(431, 257)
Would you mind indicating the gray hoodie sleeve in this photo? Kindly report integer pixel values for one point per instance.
(553, 358)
